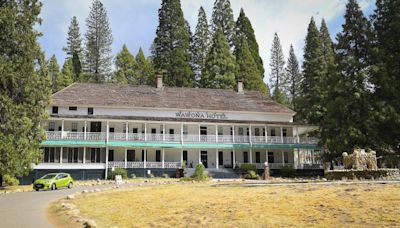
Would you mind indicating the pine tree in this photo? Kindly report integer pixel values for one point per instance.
(145, 70)
(98, 58)
(24, 87)
(74, 40)
(222, 18)
(201, 44)
(54, 73)
(67, 75)
(309, 105)
(77, 68)
(247, 69)
(125, 68)
(171, 47)
(277, 64)
(244, 28)
(292, 79)
(386, 76)
(220, 67)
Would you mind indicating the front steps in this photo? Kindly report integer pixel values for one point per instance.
(221, 173)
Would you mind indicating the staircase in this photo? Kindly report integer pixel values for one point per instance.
(223, 173)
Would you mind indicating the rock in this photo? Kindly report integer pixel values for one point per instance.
(85, 191)
(68, 206)
(18, 190)
(70, 197)
(97, 190)
(89, 224)
(73, 212)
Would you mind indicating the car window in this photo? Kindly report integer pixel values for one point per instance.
(49, 176)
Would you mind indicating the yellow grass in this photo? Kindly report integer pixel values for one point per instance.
(358, 205)
(15, 188)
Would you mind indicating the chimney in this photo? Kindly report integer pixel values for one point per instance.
(240, 86)
(159, 81)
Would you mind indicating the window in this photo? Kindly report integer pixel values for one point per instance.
(286, 157)
(185, 130)
(271, 157)
(110, 155)
(153, 131)
(55, 110)
(158, 156)
(240, 131)
(203, 130)
(247, 132)
(73, 155)
(171, 131)
(112, 130)
(284, 132)
(143, 156)
(130, 155)
(185, 155)
(90, 111)
(245, 157)
(72, 108)
(231, 131)
(52, 126)
(258, 157)
(95, 155)
(74, 127)
(124, 128)
(220, 158)
(273, 132)
(51, 155)
(257, 131)
(220, 131)
(134, 130)
(263, 131)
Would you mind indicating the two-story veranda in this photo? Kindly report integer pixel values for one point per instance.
(97, 127)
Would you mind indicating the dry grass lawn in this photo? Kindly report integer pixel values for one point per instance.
(208, 205)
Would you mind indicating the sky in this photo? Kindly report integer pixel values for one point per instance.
(134, 22)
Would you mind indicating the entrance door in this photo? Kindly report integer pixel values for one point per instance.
(220, 158)
(203, 158)
(95, 126)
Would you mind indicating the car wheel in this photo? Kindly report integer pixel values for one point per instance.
(37, 189)
(70, 185)
(53, 187)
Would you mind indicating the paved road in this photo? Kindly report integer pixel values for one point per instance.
(28, 209)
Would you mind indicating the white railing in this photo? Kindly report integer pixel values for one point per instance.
(172, 165)
(290, 140)
(74, 135)
(172, 138)
(154, 137)
(135, 137)
(134, 165)
(274, 139)
(258, 139)
(207, 138)
(241, 139)
(154, 165)
(310, 166)
(225, 138)
(116, 164)
(116, 136)
(190, 138)
(308, 140)
(53, 135)
(95, 136)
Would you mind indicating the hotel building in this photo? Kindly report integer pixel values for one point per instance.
(95, 128)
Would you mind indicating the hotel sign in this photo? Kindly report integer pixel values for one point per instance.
(201, 115)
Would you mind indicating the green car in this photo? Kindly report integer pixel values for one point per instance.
(53, 181)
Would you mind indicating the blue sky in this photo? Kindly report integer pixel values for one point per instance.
(134, 22)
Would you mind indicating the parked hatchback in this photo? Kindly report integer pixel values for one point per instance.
(53, 181)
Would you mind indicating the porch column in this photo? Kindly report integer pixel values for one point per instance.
(216, 159)
(250, 133)
(126, 158)
(145, 157)
(233, 133)
(163, 157)
(281, 135)
(297, 134)
(199, 132)
(84, 155)
(283, 158)
(145, 133)
(62, 128)
(181, 132)
(266, 155)
(126, 131)
(61, 154)
(266, 133)
(199, 157)
(234, 157)
(163, 136)
(85, 130)
(182, 156)
(251, 152)
(216, 133)
(108, 130)
(106, 162)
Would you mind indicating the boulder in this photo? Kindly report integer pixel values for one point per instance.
(89, 224)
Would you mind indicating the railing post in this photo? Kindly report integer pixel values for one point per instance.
(281, 135)
(233, 133)
(250, 134)
(126, 158)
(106, 162)
(182, 132)
(108, 130)
(216, 133)
(126, 131)
(61, 154)
(145, 131)
(163, 162)
(199, 133)
(216, 159)
(163, 131)
(297, 133)
(283, 158)
(84, 155)
(62, 128)
(85, 130)
(266, 133)
(199, 157)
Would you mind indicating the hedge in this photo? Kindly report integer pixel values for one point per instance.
(362, 174)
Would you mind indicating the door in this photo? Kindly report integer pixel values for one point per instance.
(232, 160)
(203, 158)
(220, 158)
(95, 126)
(185, 155)
(245, 157)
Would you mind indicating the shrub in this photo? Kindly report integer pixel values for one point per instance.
(186, 179)
(251, 174)
(247, 167)
(387, 174)
(133, 176)
(10, 180)
(151, 175)
(200, 173)
(118, 171)
(165, 175)
(288, 171)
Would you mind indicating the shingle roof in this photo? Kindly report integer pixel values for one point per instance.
(91, 94)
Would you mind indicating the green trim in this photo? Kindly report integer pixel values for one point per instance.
(177, 145)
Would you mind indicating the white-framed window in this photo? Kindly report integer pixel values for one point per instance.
(240, 131)
(52, 126)
(220, 130)
(124, 128)
(185, 130)
(74, 127)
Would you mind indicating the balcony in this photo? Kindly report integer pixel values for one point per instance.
(187, 138)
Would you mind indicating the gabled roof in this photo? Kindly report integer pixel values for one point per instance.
(129, 96)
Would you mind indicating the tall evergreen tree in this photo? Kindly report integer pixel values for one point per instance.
(24, 87)
(292, 79)
(247, 69)
(54, 73)
(220, 67)
(145, 70)
(74, 40)
(244, 28)
(386, 75)
(222, 18)
(66, 77)
(98, 58)
(348, 117)
(76, 67)
(171, 51)
(277, 64)
(201, 43)
(125, 67)
(309, 105)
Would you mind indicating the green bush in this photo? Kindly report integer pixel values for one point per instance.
(118, 171)
(133, 176)
(165, 175)
(247, 167)
(288, 171)
(186, 179)
(387, 174)
(251, 174)
(10, 180)
(200, 173)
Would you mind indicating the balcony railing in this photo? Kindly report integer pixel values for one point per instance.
(132, 165)
(102, 136)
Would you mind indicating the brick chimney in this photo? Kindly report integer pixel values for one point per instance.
(159, 81)
(240, 86)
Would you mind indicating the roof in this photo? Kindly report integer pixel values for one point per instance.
(115, 95)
